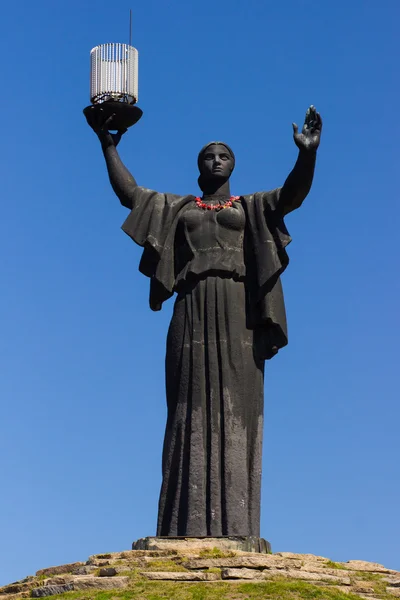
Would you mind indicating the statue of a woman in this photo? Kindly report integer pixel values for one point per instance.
(223, 256)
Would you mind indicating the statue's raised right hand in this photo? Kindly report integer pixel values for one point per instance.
(100, 125)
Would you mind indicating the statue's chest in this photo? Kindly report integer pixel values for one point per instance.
(208, 227)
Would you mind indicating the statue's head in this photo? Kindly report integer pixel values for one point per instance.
(216, 162)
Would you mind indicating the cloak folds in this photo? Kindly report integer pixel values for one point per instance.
(152, 224)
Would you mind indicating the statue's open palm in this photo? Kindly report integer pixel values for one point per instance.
(309, 137)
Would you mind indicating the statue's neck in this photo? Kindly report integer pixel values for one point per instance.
(213, 188)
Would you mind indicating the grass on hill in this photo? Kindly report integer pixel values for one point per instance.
(163, 590)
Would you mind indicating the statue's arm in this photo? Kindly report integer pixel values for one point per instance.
(298, 183)
(122, 181)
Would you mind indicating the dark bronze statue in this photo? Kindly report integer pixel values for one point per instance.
(223, 256)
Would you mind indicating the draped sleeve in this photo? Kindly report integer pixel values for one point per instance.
(152, 224)
(266, 259)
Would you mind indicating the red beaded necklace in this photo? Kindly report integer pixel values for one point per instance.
(216, 207)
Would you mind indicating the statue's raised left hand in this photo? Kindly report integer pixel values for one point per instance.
(309, 137)
(101, 126)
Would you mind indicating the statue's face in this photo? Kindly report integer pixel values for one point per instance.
(217, 162)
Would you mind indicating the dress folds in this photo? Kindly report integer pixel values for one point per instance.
(228, 317)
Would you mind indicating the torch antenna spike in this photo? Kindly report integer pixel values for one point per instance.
(130, 27)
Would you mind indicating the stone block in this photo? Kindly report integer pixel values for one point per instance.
(51, 590)
(18, 587)
(60, 569)
(241, 574)
(179, 576)
(308, 576)
(15, 596)
(369, 567)
(362, 587)
(101, 583)
(392, 580)
(251, 561)
(181, 544)
(58, 580)
(108, 572)
(85, 570)
(302, 557)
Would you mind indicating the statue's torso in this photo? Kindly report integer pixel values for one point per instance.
(209, 240)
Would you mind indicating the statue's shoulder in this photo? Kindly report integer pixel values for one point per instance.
(269, 197)
(260, 196)
(177, 201)
(174, 201)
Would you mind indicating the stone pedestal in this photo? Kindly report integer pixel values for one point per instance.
(238, 543)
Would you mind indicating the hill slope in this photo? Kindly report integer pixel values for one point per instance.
(208, 574)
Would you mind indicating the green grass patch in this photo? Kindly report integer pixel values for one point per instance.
(215, 570)
(216, 553)
(288, 590)
(365, 576)
(133, 574)
(375, 579)
(334, 565)
(163, 565)
(170, 590)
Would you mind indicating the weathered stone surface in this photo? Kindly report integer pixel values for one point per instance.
(369, 567)
(109, 558)
(51, 590)
(133, 554)
(123, 569)
(241, 543)
(251, 561)
(237, 566)
(60, 569)
(98, 562)
(179, 576)
(302, 557)
(101, 583)
(362, 587)
(392, 580)
(120, 565)
(306, 575)
(241, 574)
(150, 559)
(18, 586)
(58, 580)
(81, 583)
(339, 579)
(85, 570)
(322, 571)
(15, 596)
(290, 574)
(107, 572)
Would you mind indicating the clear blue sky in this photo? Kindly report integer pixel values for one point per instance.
(81, 354)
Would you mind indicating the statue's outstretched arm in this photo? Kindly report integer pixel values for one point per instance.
(298, 183)
(122, 181)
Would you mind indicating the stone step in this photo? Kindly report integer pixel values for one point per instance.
(239, 543)
(109, 571)
(289, 574)
(179, 576)
(60, 569)
(81, 583)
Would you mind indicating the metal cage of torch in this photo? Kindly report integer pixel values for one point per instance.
(114, 73)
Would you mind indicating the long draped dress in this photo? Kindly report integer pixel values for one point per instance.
(216, 349)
